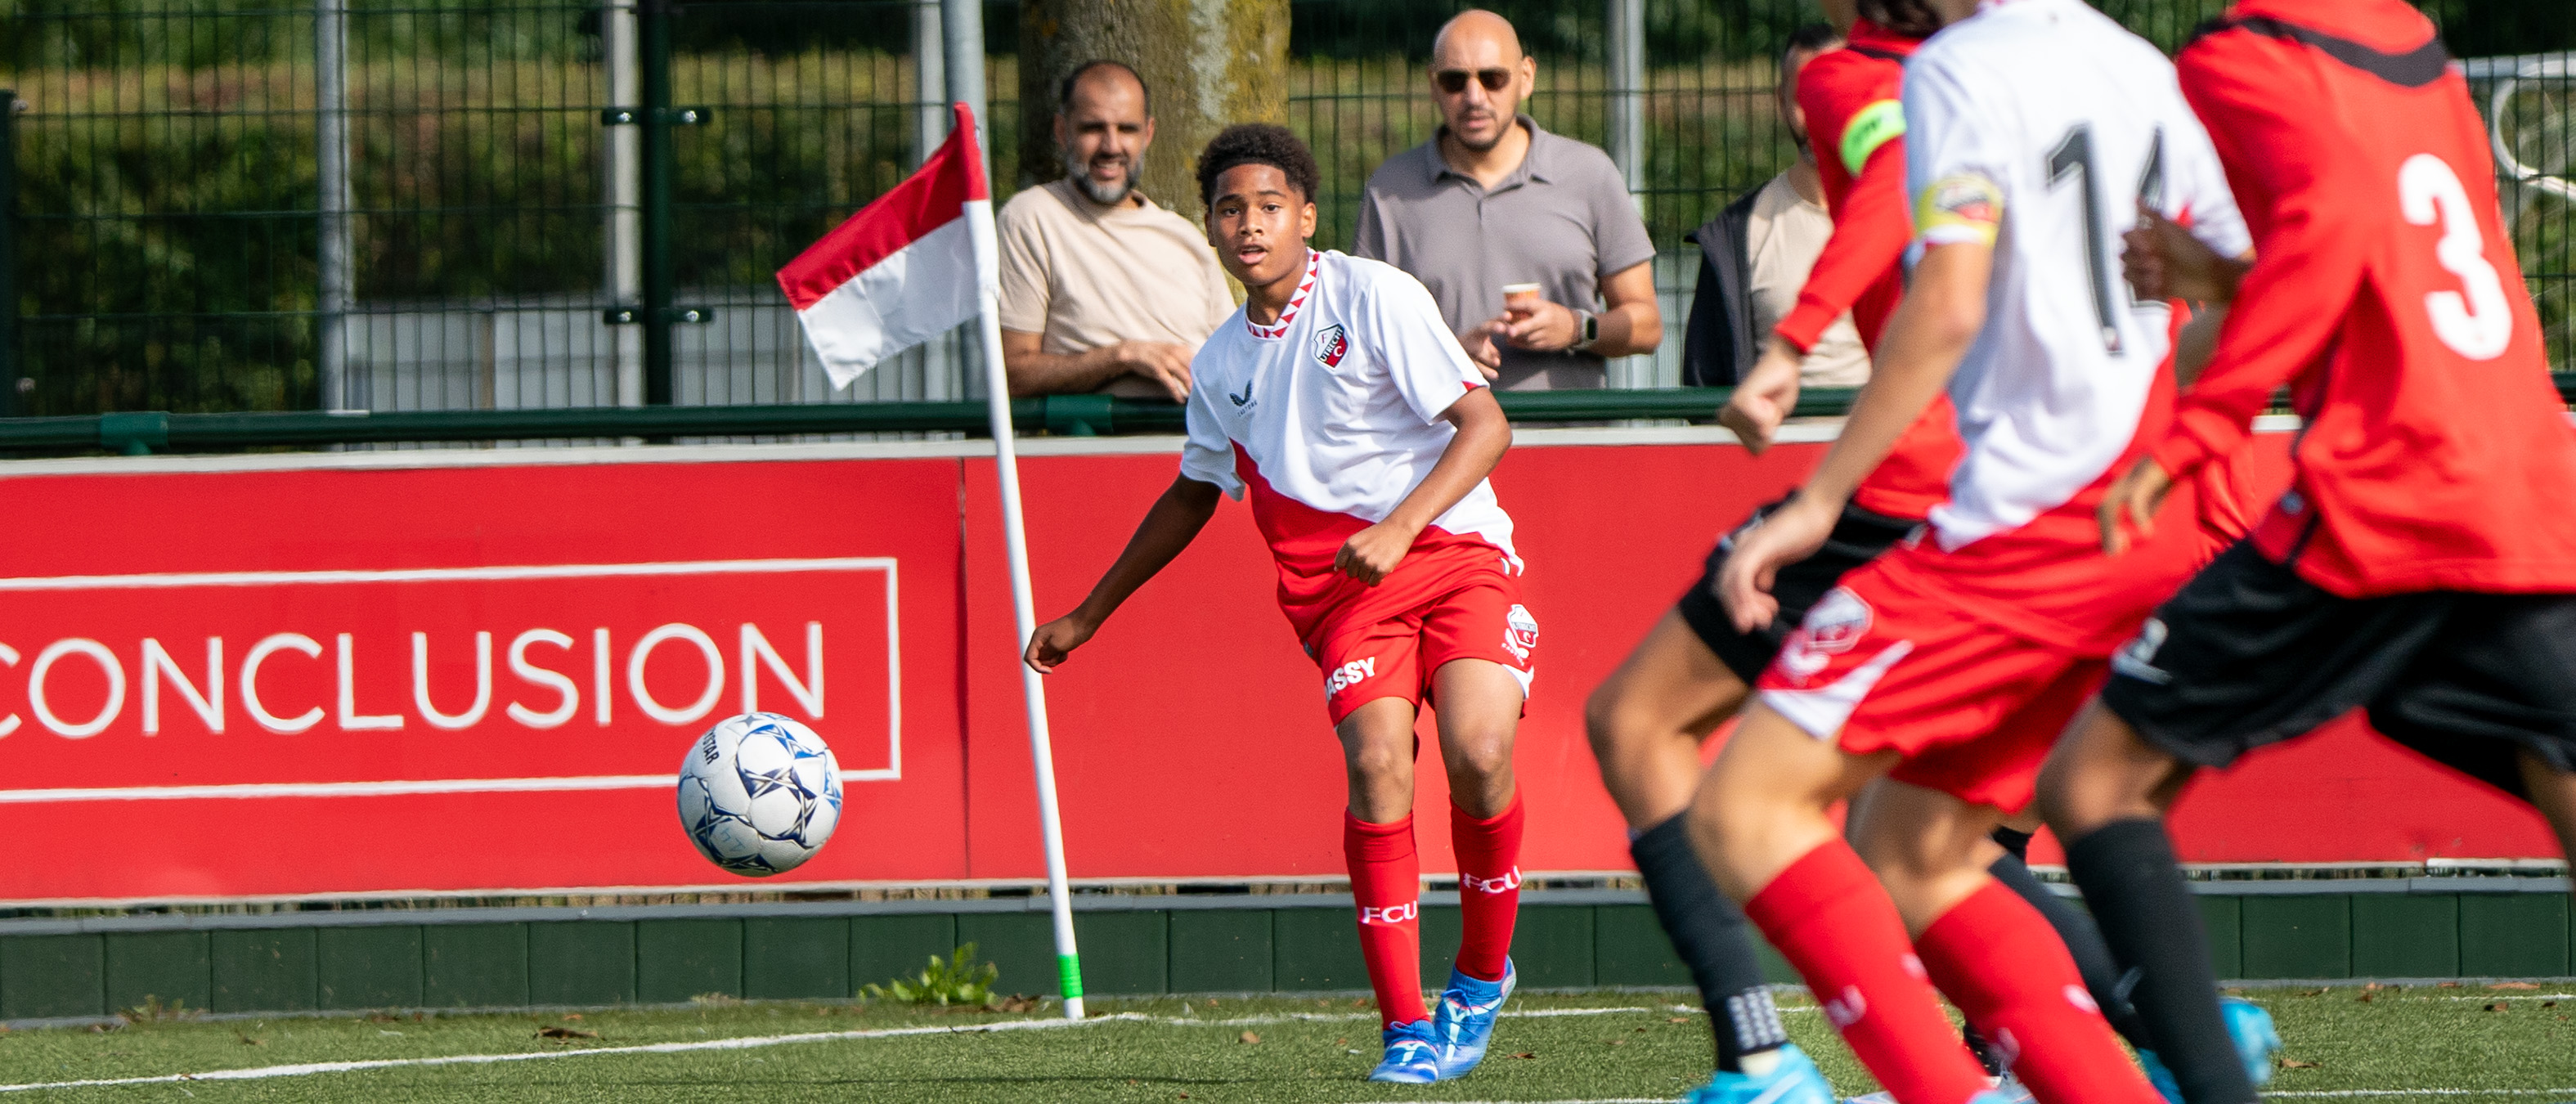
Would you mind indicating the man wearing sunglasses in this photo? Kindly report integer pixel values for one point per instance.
(1491, 201)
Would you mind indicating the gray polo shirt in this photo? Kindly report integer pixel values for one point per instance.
(1562, 220)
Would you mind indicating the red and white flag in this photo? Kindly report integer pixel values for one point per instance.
(904, 269)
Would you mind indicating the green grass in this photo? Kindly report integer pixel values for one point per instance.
(1306, 1050)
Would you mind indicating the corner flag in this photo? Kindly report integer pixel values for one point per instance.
(921, 260)
(901, 271)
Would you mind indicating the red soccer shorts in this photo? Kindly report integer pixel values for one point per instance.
(1387, 641)
(1972, 707)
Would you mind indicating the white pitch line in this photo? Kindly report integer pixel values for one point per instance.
(2424, 1092)
(259, 1073)
(308, 1069)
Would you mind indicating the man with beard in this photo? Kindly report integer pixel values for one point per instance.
(1102, 290)
(1493, 202)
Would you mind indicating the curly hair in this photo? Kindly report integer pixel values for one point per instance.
(1911, 18)
(1258, 144)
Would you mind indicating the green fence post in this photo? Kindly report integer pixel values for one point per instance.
(653, 26)
(8, 253)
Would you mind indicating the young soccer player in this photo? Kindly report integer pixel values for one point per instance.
(1338, 400)
(2422, 565)
(1694, 669)
(1949, 664)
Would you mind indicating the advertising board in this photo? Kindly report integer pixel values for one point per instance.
(476, 672)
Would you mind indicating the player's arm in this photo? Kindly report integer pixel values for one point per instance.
(2288, 307)
(1034, 372)
(2198, 342)
(1484, 434)
(1928, 336)
(1174, 521)
(1870, 233)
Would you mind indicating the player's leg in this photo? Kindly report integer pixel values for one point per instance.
(1987, 948)
(2553, 792)
(1761, 818)
(1374, 720)
(1479, 645)
(2493, 696)
(2082, 937)
(2105, 790)
(1377, 841)
(1646, 724)
(1477, 704)
(2247, 653)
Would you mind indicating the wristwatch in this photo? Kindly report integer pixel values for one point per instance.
(1587, 329)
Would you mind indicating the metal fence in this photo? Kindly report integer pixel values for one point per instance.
(190, 175)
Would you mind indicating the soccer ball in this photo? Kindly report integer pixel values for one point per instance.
(759, 794)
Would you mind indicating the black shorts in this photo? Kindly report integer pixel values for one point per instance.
(1857, 539)
(2249, 654)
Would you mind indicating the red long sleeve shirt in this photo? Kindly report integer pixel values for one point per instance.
(2385, 291)
(1857, 127)
(1863, 171)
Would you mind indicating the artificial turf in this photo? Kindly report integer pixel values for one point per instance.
(2444, 1041)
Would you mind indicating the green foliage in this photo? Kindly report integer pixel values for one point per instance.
(152, 1011)
(949, 982)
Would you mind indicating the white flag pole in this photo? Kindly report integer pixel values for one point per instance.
(1006, 464)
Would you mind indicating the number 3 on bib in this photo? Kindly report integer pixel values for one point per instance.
(2476, 322)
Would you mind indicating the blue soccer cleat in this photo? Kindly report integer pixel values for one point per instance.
(1464, 1024)
(2160, 1077)
(2256, 1039)
(1412, 1058)
(2256, 1042)
(1794, 1081)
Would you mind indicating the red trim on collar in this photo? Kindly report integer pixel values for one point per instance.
(1279, 329)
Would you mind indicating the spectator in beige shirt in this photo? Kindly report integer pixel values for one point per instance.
(1102, 290)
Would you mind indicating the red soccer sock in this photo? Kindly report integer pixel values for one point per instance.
(1489, 888)
(1827, 914)
(2009, 974)
(1386, 884)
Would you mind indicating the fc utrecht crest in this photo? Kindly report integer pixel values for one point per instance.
(1331, 345)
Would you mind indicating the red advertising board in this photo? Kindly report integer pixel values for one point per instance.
(431, 673)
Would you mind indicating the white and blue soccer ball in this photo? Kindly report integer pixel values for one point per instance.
(759, 794)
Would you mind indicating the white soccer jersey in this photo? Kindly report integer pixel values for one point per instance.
(2049, 115)
(1332, 415)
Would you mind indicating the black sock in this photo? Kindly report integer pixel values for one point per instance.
(2014, 841)
(2083, 942)
(1713, 937)
(2146, 915)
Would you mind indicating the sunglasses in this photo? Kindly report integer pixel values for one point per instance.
(1454, 81)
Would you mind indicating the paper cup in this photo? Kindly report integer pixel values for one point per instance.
(1520, 298)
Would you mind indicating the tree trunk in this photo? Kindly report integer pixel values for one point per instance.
(1206, 63)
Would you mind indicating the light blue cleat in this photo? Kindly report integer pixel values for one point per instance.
(1463, 1026)
(1794, 1081)
(2256, 1042)
(2256, 1039)
(2160, 1077)
(1412, 1058)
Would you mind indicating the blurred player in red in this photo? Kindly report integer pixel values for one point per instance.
(2422, 564)
(1342, 404)
(1694, 669)
(1944, 669)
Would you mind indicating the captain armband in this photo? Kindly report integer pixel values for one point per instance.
(1962, 208)
(1871, 127)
